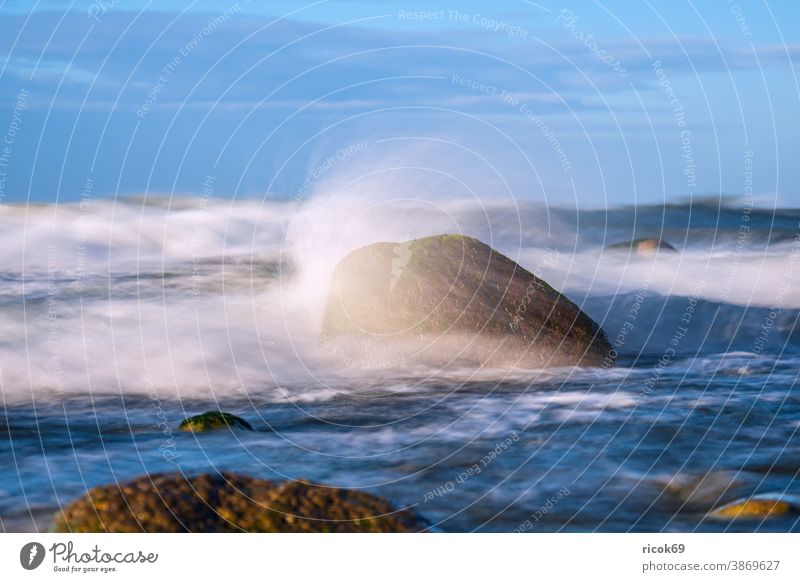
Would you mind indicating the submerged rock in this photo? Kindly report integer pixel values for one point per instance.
(758, 507)
(700, 492)
(643, 246)
(211, 420)
(451, 299)
(227, 502)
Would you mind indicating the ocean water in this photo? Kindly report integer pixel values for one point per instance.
(120, 318)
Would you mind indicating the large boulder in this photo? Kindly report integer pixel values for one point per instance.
(452, 300)
(226, 502)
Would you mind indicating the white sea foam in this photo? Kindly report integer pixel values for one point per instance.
(174, 299)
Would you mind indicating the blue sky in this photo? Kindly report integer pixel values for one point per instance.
(583, 103)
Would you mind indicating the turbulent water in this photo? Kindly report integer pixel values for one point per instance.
(121, 318)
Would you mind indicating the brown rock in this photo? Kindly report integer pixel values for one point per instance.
(754, 508)
(644, 246)
(227, 502)
(451, 299)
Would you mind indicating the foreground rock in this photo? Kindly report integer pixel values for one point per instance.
(227, 502)
(643, 246)
(451, 299)
(212, 420)
(758, 507)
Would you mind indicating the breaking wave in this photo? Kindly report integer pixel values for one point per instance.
(197, 297)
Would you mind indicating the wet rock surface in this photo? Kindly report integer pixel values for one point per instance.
(212, 420)
(228, 502)
(643, 246)
(757, 507)
(451, 299)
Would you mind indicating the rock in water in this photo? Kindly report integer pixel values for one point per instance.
(226, 502)
(643, 246)
(211, 420)
(758, 507)
(451, 299)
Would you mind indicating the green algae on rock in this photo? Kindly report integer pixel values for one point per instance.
(211, 420)
(227, 502)
(451, 299)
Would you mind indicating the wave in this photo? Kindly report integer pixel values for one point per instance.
(649, 323)
(198, 297)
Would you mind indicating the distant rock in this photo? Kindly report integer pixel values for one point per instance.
(643, 246)
(226, 502)
(213, 419)
(451, 299)
(758, 507)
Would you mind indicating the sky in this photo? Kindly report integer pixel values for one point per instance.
(575, 103)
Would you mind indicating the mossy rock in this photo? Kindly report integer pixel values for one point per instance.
(211, 420)
(643, 246)
(451, 299)
(227, 502)
(758, 507)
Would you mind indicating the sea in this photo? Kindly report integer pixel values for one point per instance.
(121, 317)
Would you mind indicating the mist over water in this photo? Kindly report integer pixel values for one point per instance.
(196, 297)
